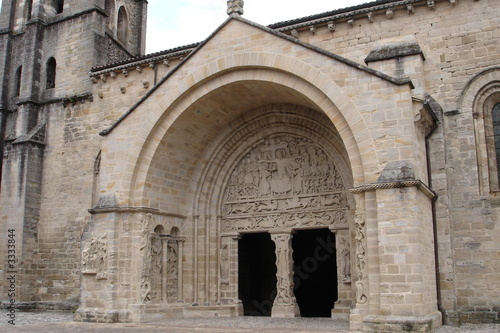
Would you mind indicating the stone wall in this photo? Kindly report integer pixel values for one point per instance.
(140, 166)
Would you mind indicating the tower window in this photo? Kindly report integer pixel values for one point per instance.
(59, 6)
(51, 73)
(122, 25)
(17, 88)
(29, 9)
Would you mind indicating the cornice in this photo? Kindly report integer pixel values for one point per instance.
(397, 184)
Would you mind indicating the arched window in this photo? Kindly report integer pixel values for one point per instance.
(481, 99)
(51, 74)
(491, 118)
(122, 25)
(17, 87)
(495, 115)
(59, 6)
(29, 8)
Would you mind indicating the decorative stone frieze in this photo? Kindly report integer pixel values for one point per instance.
(361, 291)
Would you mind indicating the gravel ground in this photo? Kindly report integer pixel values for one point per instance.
(61, 322)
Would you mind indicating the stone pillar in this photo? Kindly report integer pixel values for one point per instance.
(164, 278)
(180, 249)
(285, 304)
(395, 272)
(229, 271)
(342, 306)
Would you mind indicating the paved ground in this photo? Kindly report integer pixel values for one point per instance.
(59, 322)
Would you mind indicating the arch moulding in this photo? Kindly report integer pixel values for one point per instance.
(171, 101)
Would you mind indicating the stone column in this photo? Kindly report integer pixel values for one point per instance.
(285, 304)
(342, 307)
(229, 271)
(165, 240)
(180, 247)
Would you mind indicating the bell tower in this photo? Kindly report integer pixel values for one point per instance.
(47, 48)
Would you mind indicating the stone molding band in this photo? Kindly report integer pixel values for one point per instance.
(105, 210)
(397, 184)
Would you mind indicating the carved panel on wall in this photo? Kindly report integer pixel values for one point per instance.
(360, 258)
(95, 257)
(284, 181)
(284, 265)
(172, 271)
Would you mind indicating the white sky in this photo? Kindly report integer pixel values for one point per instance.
(173, 23)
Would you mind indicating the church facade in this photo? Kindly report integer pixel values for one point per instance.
(341, 165)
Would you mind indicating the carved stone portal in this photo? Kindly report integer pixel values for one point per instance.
(284, 182)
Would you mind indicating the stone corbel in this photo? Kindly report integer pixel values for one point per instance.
(103, 77)
(423, 116)
(331, 26)
(431, 4)
(389, 13)
(312, 28)
(410, 9)
(139, 69)
(94, 79)
(370, 16)
(295, 33)
(453, 2)
(125, 72)
(166, 62)
(113, 74)
(350, 21)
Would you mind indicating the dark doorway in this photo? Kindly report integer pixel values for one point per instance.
(257, 274)
(315, 272)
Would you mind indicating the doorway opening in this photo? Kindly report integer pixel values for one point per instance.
(315, 272)
(257, 273)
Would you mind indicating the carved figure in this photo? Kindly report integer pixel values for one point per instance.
(284, 267)
(345, 260)
(360, 257)
(224, 263)
(95, 257)
(282, 176)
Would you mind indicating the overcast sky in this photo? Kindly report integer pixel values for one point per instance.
(173, 23)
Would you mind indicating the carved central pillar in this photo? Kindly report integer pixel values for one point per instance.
(285, 304)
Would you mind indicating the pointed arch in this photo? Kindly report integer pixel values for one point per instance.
(50, 80)
(17, 83)
(122, 25)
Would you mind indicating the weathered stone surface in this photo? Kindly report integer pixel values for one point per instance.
(128, 190)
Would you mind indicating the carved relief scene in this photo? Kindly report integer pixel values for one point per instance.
(160, 266)
(284, 182)
(288, 187)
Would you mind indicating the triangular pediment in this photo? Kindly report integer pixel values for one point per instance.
(238, 36)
